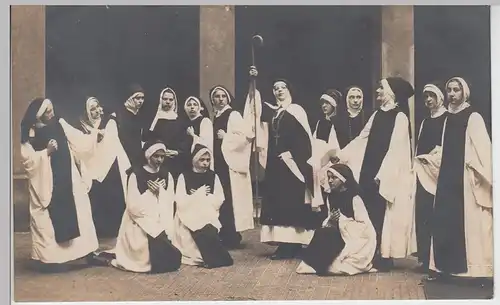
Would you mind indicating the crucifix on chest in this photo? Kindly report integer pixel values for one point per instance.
(276, 124)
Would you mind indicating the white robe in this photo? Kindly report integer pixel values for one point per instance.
(39, 170)
(236, 148)
(107, 151)
(398, 238)
(193, 213)
(146, 214)
(478, 200)
(360, 244)
(206, 137)
(332, 143)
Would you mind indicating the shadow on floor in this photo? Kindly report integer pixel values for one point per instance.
(459, 289)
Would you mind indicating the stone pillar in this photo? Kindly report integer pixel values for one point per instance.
(28, 82)
(217, 47)
(397, 58)
(28, 66)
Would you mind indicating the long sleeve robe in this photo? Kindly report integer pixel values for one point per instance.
(204, 135)
(147, 216)
(475, 259)
(425, 175)
(287, 147)
(396, 233)
(235, 150)
(360, 241)
(194, 212)
(130, 128)
(107, 167)
(38, 166)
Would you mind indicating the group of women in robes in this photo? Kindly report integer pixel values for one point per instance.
(347, 196)
(453, 186)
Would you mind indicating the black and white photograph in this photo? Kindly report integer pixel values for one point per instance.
(251, 152)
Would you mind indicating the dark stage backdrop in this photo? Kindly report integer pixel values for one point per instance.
(99, 50)
(315, 48)
(453, 41)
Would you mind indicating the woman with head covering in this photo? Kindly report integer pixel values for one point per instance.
(130, 125)
(462, 222)
(199, 196)
(107, 168)
(325, 134)
(378, 157)
(285, 149)
(146, 230)
(325, 128)
(425, 161)
(232, 145)
(346, 242)
(61, 218)
(349, 122)
(199, 128)
(168, 128)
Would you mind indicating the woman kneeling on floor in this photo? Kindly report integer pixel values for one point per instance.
(199, 196)
(346, 242)
(143, 243)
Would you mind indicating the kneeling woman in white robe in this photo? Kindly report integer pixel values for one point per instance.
(347, 241)
(143, 243)
(199, 196)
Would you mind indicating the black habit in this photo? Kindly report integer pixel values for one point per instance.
(448, 220)
(283, 202)
(348, 128)
(430, 137)
(207, 238)
(130, 134)
(376, 148)
(106, 199)
(172, 134)
(62, 208)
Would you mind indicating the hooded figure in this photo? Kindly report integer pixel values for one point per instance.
(199, 128)
(284, 141)
(350, 120)
(143, 243)
(426, 168)
(462, 222)
(325, 128)
(380, 155)
(199, 196)
(168, 128)
(61, 226)
(347, 240)
(130, 124)
(106, 167)
(232, 147)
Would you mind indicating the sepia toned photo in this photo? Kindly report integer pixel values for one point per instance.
(247, 152)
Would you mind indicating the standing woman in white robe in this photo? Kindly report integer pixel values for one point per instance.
(462, 225)
(346, 242)
(199, 196)
(232, 146)
(199, 128)
(143, 243)
(380, 156)
(107, 167)
(61, 223)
